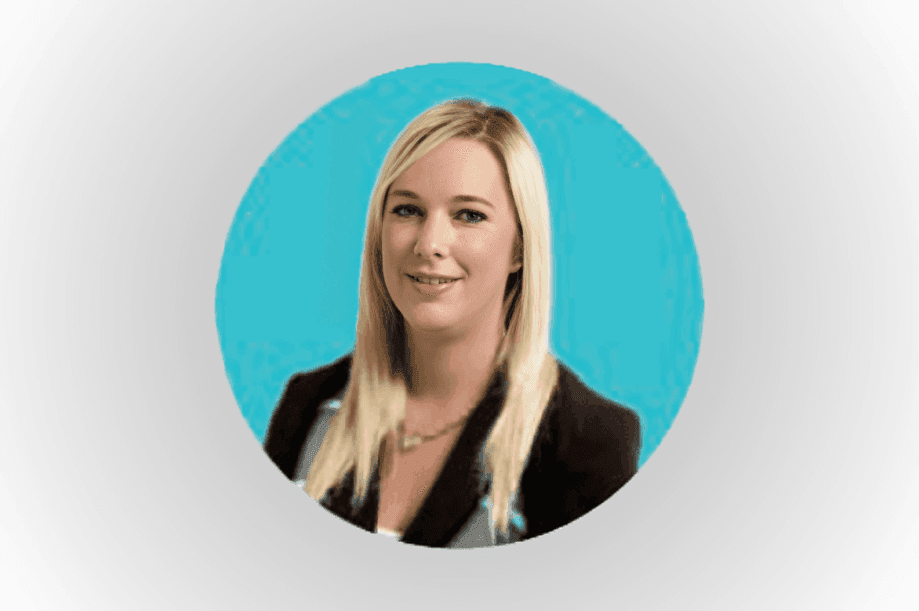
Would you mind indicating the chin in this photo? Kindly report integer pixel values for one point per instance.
(429, 325)
(431, 322)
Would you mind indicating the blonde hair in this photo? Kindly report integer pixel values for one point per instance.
(374, 402)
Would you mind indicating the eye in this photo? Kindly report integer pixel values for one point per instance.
(471, 216)
(405, 210)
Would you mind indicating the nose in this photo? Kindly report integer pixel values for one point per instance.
(435, 235)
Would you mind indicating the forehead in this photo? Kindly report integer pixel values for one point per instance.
(457, 167)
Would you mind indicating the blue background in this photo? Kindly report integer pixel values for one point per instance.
(628, 306)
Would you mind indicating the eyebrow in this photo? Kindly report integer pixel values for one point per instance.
(456, 198)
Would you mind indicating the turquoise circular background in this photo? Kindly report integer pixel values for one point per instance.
(627, 311)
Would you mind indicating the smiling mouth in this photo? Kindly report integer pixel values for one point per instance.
(432, 281)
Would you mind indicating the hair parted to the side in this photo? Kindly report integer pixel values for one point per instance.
(374, 402)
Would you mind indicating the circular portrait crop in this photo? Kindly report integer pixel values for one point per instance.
(459, 306)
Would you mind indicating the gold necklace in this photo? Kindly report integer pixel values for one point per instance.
(410, 442)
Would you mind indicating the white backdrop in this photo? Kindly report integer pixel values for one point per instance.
(128, 135)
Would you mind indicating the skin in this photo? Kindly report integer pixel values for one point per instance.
(434, 223)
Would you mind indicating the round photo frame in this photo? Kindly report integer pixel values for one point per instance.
(628, 304)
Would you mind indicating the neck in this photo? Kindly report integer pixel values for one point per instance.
(450, 369)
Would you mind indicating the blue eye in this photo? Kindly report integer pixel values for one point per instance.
(471, 216)
(404, 210)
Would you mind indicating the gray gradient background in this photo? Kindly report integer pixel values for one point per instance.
(790, 134)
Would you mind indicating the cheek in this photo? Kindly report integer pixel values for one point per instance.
(396, 242)
(492, 251)
(396, 238)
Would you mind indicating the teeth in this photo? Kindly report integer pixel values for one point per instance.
(432, 280)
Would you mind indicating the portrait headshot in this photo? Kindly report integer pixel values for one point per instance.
(453, 330)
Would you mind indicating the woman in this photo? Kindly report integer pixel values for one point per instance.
(451, 424)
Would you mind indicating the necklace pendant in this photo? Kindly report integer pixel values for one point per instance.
(407, 443)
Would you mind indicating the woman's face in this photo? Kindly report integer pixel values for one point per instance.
(448, 219)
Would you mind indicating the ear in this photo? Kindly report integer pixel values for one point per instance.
(517, 261)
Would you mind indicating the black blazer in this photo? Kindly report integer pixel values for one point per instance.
(586, 448)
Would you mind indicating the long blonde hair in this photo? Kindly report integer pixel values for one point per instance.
(374, 402)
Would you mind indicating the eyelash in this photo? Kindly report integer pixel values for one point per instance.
(398, 210)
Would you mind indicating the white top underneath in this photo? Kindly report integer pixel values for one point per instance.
(389, 533)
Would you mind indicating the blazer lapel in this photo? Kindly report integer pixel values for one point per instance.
(338, 501)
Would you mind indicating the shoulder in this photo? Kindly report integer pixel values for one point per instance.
(585, 450)
(297, 409)
(583, 423)
(322, 382)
